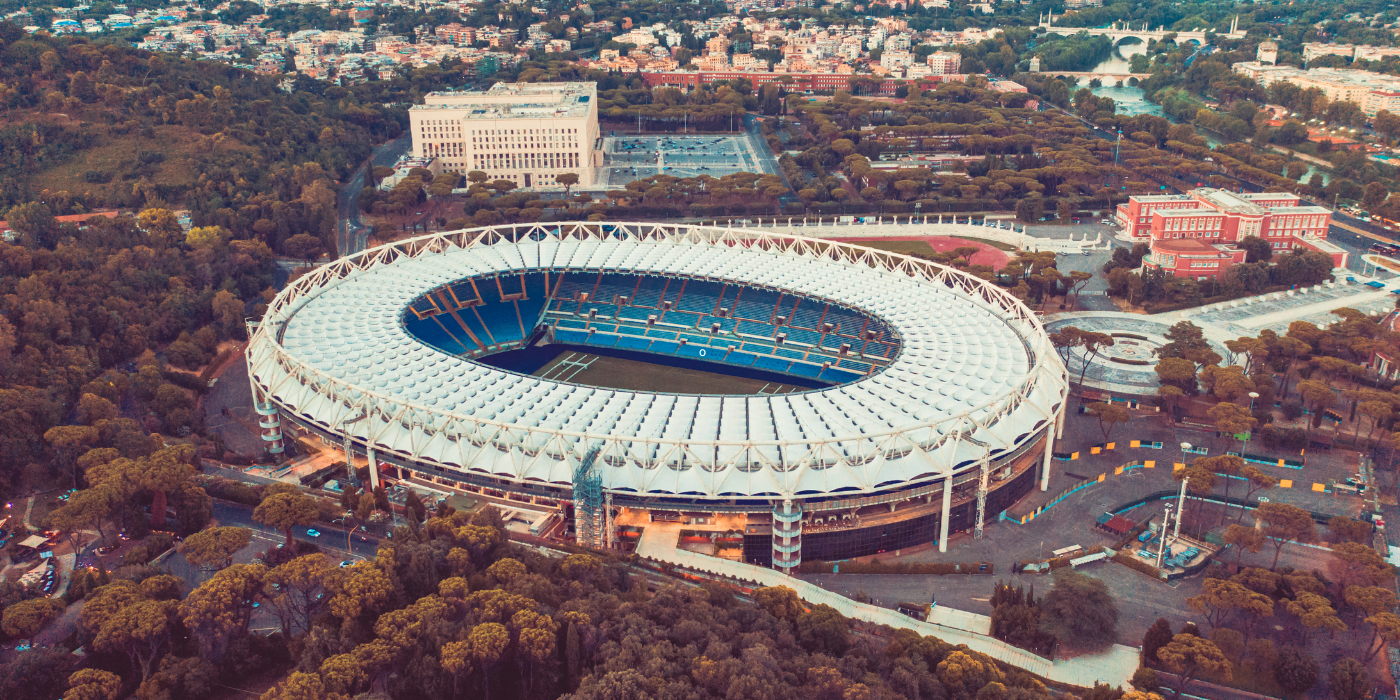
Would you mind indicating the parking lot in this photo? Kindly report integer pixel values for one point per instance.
(628, 158)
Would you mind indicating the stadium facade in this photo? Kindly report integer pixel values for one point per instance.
(938, 394)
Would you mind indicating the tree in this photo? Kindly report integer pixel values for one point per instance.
(1156, 637)
(1028, 210)
(1317, 396)
(1189, 656)
(304, 246)
(1220, 596)
(1177, 371)
(1244, 539)
(1285, 523)
(779, 601)
(1256, 480)
(1357, 563)
(24, 619)
(1079, 610)
(1374, 195)
(93, 408)
(1077, 280)
(87, 508)
(1349, 680)
(297, 590)
(93, 684)
(1370, 599)
(208, 237)
(68, 441)
(214, 548)
(1385, 629)
(1294, 670)
(568, 180)
(219, 609)
(413, 506)
(140, 631)
(285, 511)
(1230, 642)
(1344, 529)
(1065, 340)
(1092, 343)
(1227, 465)
(1256, 249)
(299, 686)
(35, 225)
(1315, 612)
(1109, 416)
(1147, 682)
(486, 644)
(823, 630)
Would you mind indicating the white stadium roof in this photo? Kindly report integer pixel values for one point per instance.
(975, 377)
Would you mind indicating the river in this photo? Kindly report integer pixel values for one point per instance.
(1131, 100)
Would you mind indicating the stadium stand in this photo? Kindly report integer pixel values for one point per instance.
(781, 332)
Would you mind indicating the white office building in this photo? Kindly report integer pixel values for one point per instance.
(528, 133)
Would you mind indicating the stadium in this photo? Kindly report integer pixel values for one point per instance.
(918, 400)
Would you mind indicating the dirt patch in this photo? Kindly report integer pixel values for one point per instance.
(631, 375)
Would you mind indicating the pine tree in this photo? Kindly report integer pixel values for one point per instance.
(1158, 636)
(573, 655)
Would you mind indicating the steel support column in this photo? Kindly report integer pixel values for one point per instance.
(947, 509)
(373, 469)
(982, 480)
(1049, 455)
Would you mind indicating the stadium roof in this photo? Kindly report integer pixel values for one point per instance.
(974, 379)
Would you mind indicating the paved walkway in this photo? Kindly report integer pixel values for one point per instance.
(1115, 369)
(1114, 667)
(928, 225)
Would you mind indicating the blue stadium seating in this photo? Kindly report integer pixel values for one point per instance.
(633, 342)
(498, 321)
(771, 363)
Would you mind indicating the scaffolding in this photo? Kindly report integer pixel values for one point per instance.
(590, 511)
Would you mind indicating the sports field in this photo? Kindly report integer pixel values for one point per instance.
(632, 375)
(628, 158)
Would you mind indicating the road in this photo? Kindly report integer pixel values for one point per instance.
(332, 539)
(351, 235)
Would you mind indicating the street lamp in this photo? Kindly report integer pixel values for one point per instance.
(1252, 396)
(349, 528)
(1184, 447)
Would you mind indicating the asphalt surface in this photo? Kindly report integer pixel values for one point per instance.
(1140, 599)
(331, 541)
(239, 425)
(351, 234)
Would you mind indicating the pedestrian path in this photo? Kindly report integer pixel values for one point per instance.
(1114, 667)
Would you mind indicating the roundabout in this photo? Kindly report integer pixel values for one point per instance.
(1128, 366)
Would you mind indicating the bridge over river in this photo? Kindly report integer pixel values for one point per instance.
(1120, 31)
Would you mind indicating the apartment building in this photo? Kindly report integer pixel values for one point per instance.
(528, 133)
(944, 62)
(1371, 92)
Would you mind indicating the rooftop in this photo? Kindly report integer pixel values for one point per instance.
(1228, 202)
(517, 101)
(1191, 247)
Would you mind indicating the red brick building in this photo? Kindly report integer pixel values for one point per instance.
(1197, 234)
(797, 82)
